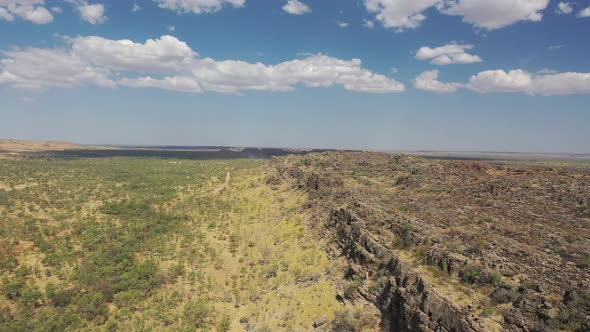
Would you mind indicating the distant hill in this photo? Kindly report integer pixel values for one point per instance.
(17, 145)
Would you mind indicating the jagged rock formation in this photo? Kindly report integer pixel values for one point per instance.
(450, 245)
(404, 298)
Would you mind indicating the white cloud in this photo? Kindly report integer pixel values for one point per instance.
(584, 12)
(564, 8)
(38, 15)
(495, 14)
(342, 24)
(171, 28)
(197, 6)
(39, 69)
(428, 81)
(500, 81)
(313, 71)
(174, 83)
(518, 80)
(448, 54)
(57, 10)
(135, 8)
(171, 64)
(30, 10)
(6, 15)
(164, 55)
(409, 14)
(545, 82)
(296, 7)
(561, 84)
(399, 14)
(91, 13)
(368, 24)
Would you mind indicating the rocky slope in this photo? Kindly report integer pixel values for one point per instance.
(452, 245)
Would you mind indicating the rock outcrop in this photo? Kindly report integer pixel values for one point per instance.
(452, 245)
(406, 301)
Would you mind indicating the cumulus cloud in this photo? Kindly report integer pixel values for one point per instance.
(39, 69)
(500, 81)
(584, 12)
(447, 54)
(495, 14)
(549, 84)
(428, 81)
(296, 7)
(399, 14)
(168, 63)
(409, 14)
(91, 13)
(30, 10)
(164, 55)
(545, 82)
(135, 8)
(198, 6)
(564, 8)
(313, 71)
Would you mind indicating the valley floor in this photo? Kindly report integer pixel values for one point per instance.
(157, 244)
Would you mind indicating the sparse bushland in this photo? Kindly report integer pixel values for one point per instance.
(156, 244)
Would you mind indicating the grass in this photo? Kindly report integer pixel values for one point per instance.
(156, 244)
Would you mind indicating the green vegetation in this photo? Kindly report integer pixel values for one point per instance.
(470, 276)
(155, 244)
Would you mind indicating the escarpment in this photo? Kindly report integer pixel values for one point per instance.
(451, 245)
(407, 302)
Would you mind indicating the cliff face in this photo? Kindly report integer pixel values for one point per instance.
(452, 246)
(406, 301)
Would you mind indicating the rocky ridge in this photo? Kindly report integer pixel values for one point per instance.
(452, 245)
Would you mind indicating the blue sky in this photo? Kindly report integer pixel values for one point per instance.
(366, 74)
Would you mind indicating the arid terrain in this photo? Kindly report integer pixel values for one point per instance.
(10, 145)
(453, 245)
(269, 239)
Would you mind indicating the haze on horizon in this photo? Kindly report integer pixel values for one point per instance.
(400, 75)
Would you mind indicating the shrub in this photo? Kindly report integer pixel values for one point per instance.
(224, 324)
(198, 313)
(13, 289)
(127, 298)
(526, 285)
(470, 276)
(502, 295)
(488, 311)
(352, 288)
(93, 306)
(353, 320)
(59, 298)
(31, 296)
(23, 271)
